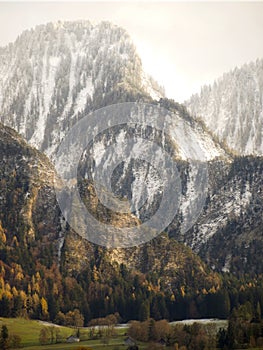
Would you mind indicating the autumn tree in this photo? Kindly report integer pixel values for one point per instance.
(74, 318)
(44, 337)
(44, 308)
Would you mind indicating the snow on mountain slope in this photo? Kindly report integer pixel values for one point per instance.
(55, 73)
(143, 182)
(228, 233)
(232, 108)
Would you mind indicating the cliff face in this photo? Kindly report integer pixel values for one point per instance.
(228, 233)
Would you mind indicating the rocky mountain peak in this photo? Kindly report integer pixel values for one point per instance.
(55, 73)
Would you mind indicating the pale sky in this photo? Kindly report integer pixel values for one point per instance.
(183, 45)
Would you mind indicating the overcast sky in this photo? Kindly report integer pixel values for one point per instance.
(182, 44)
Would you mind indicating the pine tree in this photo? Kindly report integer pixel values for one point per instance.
(144, 311)
(258, 312)
(4, 338)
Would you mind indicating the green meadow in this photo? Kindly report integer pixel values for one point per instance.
(29, 330)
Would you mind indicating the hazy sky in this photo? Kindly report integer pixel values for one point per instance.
(182, 44)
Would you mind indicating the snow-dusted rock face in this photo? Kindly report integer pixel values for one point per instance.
(232, 108)
(228, 233)
(52, 75)
(187, 143)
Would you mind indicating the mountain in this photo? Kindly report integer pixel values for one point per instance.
(53, 75)
(58, 74)
(61, 72)
(228, 234)
(139, 175)
(232, 108)
(47, 268)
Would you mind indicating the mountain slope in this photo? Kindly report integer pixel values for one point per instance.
(232, 108)
(26, 181)
(54, 74)
(228, 234)
(46, 268)
(231, 226)
(59, 72)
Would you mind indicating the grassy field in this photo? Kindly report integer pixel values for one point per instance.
(29, 331)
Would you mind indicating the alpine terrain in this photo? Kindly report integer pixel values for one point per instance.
(232, 108)
(207, 261)
(53, 75)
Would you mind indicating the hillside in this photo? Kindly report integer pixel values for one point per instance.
(46, 267)
(232, 108)
(228, 233)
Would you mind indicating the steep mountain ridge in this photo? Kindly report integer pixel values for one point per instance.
(232, 108)
(53, 75)
(186, 142)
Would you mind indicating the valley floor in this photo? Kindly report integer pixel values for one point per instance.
(29, 331)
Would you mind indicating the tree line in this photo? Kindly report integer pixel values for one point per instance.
(49, 296)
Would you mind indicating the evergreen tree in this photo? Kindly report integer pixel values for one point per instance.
(5, 307)
(4, 338)
(258, 312)
(17, 307)
(144, 311)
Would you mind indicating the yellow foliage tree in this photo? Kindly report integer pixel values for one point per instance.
(2, 234)
(44, 307)
(23, 297)
(14, 292)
